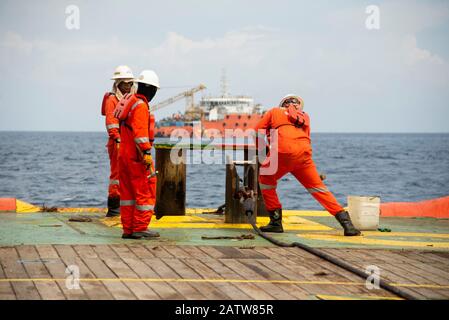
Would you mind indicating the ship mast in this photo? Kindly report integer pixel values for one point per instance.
(224, 84)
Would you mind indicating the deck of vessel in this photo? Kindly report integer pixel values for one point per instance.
(36, 249)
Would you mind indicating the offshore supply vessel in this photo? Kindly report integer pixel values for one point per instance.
(214, 116)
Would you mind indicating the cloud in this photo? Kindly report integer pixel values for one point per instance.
(414, 55)
(16, 42)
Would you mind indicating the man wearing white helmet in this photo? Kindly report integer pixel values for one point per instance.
(123, 82)
(137, 185)
(288, 129)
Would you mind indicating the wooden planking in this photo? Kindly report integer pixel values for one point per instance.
(6, 290)
(407, 271)
(15, 270)
(250, 289)
(247, 273)
(32, 262)
(94, 289)
(165, 272)
(358, 261)
(140, 251)
(158, 252)
(162, 289)
(117, 289)
(211, 291)
(56, 268)
(122, 270)
(138, 261)
(206, 272)
(259, 266)
(320, 270)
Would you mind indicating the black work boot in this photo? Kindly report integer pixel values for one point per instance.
(275, 224)
(145, 234)
(345, 220)
(113, 207)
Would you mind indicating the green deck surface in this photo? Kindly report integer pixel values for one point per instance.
(55, 228)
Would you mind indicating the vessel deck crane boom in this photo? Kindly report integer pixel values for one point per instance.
(186, 94)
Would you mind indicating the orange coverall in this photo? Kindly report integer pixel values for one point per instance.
(294, 156)
(137, 192)
(112, 126)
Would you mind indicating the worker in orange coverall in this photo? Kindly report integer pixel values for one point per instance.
(123, 82)
(137, 178)
(287, 128)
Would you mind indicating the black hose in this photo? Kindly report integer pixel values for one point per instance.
(329, 258)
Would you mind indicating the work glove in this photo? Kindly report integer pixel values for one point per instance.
(147, 159)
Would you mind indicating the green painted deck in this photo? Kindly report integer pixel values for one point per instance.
(36, 248)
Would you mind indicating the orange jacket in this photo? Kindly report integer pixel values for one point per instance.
(135, 129)
(112, 123)
(291, 139)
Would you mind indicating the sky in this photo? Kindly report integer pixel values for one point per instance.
(353, 77)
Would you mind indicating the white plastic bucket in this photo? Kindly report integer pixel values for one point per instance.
(364, 211)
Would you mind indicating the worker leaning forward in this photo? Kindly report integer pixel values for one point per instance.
(137, 181)
(123, 82)
(288, 129)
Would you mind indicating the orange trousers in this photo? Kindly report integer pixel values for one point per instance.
(137, 195)
(113, 190)
(303, 169)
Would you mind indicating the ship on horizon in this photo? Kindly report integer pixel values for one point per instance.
(212, 117)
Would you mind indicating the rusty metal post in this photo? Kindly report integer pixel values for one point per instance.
(171, 182)
(233, 210)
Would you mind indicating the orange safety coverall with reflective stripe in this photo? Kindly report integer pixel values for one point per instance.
(112, 127)
(295, 156)
(137, 192)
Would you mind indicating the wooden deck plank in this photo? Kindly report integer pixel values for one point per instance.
(158, 252)
(317, 270)
(32, 262)
(165, 272)
(388, 276)
(6, 290)
(211, 252)
(275, 274)
(207, 273)
(407, 270)
(162, 289)
(248, 273)
(56, 268)
(139, 288)
(321, 270)
(249, 289)
(178, 265)
(94, 289)
(15, 270)
(140, 251)
(117, 289)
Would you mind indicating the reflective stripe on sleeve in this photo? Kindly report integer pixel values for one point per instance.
(136, 104)
(313, 190)
(127, 202)
(144, 207)
(111, 182)
(266, 186)
(113, 126)
(141, 140)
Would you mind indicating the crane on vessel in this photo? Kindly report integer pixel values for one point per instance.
(186, 94)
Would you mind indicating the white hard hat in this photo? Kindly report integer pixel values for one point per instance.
(148, 77)
(122, 72)
(291, 95)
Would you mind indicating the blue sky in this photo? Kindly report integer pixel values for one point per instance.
(395, 79)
